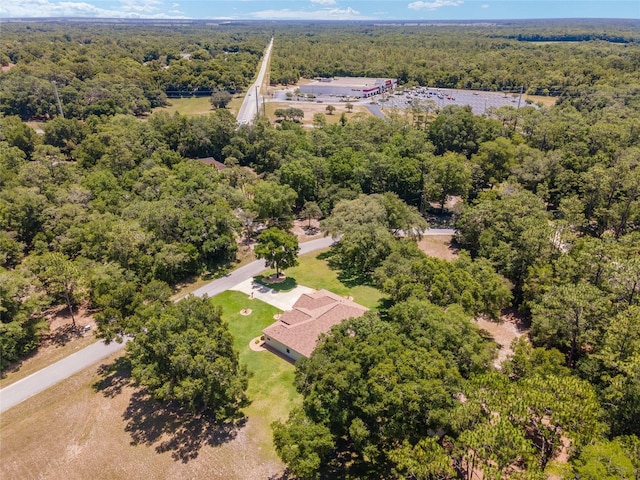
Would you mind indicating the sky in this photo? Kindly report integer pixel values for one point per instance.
(323, 9)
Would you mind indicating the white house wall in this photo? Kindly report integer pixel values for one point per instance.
(280, 347)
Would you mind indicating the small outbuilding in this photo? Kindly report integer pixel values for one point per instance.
(296, 332)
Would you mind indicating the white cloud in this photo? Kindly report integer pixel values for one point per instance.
(324, 14)
(50, 8)
(435, 4)
(144, 6)
(324, 2)
(485, 5)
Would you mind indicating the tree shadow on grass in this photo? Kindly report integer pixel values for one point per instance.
(165, 425)
(173, 429)
(352, 279)
(115, 376)
(286, 285)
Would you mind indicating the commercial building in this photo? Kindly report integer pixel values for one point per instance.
(360, 87)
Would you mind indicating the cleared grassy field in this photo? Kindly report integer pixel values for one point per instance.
(315, 273)
(310, 109)
(97, 425)
(271, 388)
(187, 106)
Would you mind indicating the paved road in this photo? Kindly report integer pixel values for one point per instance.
(376, 110)
(253, 100)
(45, 378)
(254, 268)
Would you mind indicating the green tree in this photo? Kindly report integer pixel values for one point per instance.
(310, 211)
(302, 444)
(372, 389)
(63, 278)
(427, 459)
(619, 371)
(64, 133)
(273, 203)
(220, 99)
(496, 158)
(330, 109)
(605, 460)
(18, 134)
(290, 114)
(447, 175)
(457, 129)
(278, 248)
(571, 318)
(545, 408)
(185, 353)
(511, 228)
(20, 326)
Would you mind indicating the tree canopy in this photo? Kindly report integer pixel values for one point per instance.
(279, 249)
(185, 353)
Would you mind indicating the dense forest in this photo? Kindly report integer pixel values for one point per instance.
(103, 70)
(546, 60)
(108, 210)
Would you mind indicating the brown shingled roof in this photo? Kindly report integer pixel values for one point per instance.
(214, 162)
(312, 315)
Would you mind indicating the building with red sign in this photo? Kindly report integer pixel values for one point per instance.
(360, 87)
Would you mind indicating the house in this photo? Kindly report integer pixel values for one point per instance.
(212, 161)
(296, 332)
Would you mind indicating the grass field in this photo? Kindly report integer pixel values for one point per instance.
(314, 272)
(187, 106)
(311, 108)
(97, 425)
(271, 385)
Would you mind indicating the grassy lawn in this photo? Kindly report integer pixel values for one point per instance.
(314, 272)
(75, 431)
(287, 285)
(187, 106)
(271, 387)
(235, 103)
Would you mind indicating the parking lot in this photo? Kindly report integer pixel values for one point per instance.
(479, 101)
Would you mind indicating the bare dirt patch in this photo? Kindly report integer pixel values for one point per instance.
(305, 230)
(439, 246)
(60, 341)
(311, 108)
(102, 427)
(512, 326)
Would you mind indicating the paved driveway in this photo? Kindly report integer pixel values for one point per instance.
(43, 379)
(281, 300)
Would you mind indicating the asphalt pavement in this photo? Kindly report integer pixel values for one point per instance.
(253, 100)
(41, 380)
